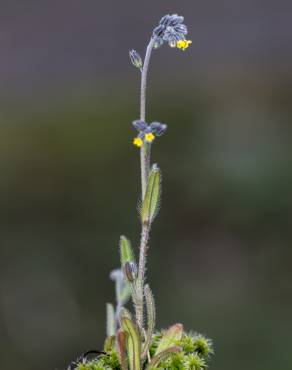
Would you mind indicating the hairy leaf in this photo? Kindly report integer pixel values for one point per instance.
(151, 315)
(126, 251)
(150, 203)
(121, 347)
(133, 343)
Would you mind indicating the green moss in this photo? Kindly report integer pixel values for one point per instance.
(104, 362)
(195, 354)
(111, 360)
(174, 362)
(194, 361)
(194, 342)
(90, 365)
(203, 345)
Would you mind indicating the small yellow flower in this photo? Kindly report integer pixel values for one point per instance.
(149, 137)
(138, 142)
(183, 44)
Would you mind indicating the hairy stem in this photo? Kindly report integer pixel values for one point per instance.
(146, 148)
(141, 274)
(145, 154)
(145, 168)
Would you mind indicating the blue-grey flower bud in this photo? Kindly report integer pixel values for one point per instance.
(170, 29)
(139, 125)
(181, 28)
(176, 20)
(158, 31)
(165, 20)
(171, 20)
(158, 128)
(147, 130)
(136, 59)
(130, 269)
(157, 43)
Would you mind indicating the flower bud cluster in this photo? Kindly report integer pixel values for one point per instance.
(147, 133)
(170, 29)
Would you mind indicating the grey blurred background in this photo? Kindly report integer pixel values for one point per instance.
(220, 257)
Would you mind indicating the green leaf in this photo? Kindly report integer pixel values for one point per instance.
(150, 203)
(133, 343)
(128, 264)
(151, 315)
(126, 251)
(110, 320)
(170, 337)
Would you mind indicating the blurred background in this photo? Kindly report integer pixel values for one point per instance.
(220, 257)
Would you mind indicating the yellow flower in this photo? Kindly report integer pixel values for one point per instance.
(149, 137)
(183, 44)
(138, 142)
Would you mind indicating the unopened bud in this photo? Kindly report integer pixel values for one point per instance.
(136, 59)
(130, 270)
(158, 128)
(158, 42)
(140, 125)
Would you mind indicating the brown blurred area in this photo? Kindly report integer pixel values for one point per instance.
(220, 257)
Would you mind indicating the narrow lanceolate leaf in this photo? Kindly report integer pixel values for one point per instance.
(151, 315)
(163, 355)
(126, 251)
(110, 320)
(122, 348)
(170, 337)
(150, 203)
(133, 343)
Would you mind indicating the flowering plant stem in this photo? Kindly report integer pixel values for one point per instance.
(129, 345)
(146, 148)
(145, 155)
